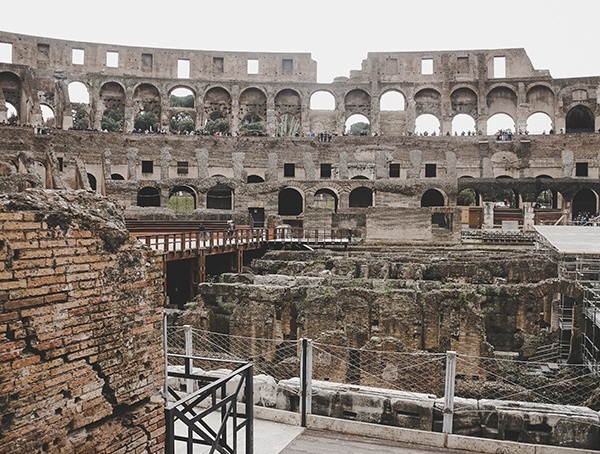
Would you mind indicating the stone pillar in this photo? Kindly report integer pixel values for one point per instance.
(528, 215)
(488, 215)
(235, 109)
(271, 115)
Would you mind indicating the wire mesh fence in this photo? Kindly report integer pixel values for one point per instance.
(476, 377)
(412, 372)
(535, 382)
(278, 359)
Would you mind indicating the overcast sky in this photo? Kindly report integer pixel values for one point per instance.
(561, 36)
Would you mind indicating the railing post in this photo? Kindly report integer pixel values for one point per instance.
(169, 432)
(449, 391)
(250, 410)
(305, 380)
(166, 352)
(189, 362)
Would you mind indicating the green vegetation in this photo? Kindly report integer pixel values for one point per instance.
(181, 101)
(112, 121)
(182, 122)
(359, 129)
(217, 125)
(80, 119)
(146, 121)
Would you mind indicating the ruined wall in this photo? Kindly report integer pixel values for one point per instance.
(435, 300)
(80, 328)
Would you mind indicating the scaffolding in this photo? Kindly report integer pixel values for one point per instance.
(583, 268)
(588, 272)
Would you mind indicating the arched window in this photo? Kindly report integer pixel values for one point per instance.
(392, 100)
(182, 97)
(322, 100)
(148, 197)
(358, 125)
(92, 181)
(116, 176)
(182, 199)
(289, 202)
(255, 179)
(219, 197)
(463, 124)
(580, 119)
(78, 93)
(500, 122)
(361, 198)
(326, 198)
(539, 123)
(467, 197)
(585, 205)
(427, 124)
(432, 198)
(47, 115)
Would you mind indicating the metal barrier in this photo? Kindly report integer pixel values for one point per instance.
(187, 416)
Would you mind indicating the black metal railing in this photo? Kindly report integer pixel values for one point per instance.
(187, 417)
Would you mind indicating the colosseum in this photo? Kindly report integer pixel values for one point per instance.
(96, 137)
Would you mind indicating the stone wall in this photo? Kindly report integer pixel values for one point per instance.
(80, 328)
(471, 301)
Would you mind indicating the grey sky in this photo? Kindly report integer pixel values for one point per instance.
(560, 36)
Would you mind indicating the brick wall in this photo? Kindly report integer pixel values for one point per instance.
(81, 360)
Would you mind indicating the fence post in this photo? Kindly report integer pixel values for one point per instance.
(449, 391)
(165, 353)
(305, 380)
(189, 362)
(250, 410)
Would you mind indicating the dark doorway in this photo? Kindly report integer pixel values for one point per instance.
(179, 282)
(361, 198)
(258, 216)
(585, 203)
(580, 119)
(290, 202)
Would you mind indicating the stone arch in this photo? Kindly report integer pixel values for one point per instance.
(146, 99)
(253, 101)
(290, 202)
(463, 124)
(539, 123)
(502, 99)
(326, 198)
(93, 182)
(79, 92)
(217, 104)
(357, 101)
(427, 124)
(468, 197)
(541, 98)
(433, 198)
(392, 100)
(504, 193)
(183, 199)
(584, 201)
(148, 197)
(322, 100)
(288, 108)
(500, 121)
(544, 196)
(463, 100)
(182, 122)
(580, 118)
(361, 197)
(362, 121)
(255, 179)
(182, 96)
(48, 115)
(117, 177)
(219, 197)
(112, 105)
(12, 89)
(428, 101)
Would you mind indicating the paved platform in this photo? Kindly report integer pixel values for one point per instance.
(325, 442)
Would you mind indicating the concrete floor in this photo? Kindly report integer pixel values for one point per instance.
(277, 438)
